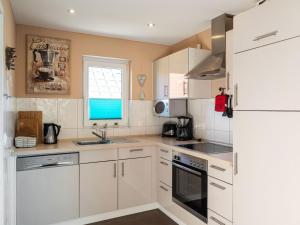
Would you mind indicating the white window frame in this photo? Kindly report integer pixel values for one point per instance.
(111, 63)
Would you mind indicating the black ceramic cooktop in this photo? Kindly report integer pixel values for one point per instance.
(208, 148)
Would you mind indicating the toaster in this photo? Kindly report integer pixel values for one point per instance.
(169, 129)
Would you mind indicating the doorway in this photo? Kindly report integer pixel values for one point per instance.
(2, 77)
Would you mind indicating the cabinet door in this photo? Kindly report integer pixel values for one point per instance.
(220, 197)
(135, 182)
(229, 62)
(270, 22)
(161, 78)
(164, 195)
(98, 188)
(266, 185)
(198, 88)
(178, 68)
(267, 78)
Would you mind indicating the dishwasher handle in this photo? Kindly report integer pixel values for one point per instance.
(47, 161)
(57, 164)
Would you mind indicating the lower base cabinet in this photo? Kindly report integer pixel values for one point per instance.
(215, 219)
(135, 182)
(98, 188)
(164, 195)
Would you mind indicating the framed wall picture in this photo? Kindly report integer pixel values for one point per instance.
(48, 65)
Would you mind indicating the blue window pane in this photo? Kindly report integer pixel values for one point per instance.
(105, 109)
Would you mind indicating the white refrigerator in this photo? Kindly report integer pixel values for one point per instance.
(266, 134)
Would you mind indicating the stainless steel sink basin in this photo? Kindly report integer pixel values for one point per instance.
(91, 142)
(111, 141)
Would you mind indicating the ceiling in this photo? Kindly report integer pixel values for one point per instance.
(174, 20)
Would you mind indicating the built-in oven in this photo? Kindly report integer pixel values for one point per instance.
(190, 184)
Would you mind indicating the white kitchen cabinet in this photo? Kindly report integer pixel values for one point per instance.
(161, 78)
(136, 152)
(164, 195)
(198, 88)
(267, 78)
(169, 75)
(215, 219)
(178, 68)
(221, 170)
(266, 185)
(220, 197)
(229, 62)
(165, 171)
(273, 21)
(165, 153)
(135, 182)
(98, 188)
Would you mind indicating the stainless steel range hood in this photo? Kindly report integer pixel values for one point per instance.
(214, 66)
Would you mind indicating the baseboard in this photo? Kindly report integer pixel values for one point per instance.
(111, 215)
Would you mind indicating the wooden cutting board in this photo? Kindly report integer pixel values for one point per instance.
(30, 122)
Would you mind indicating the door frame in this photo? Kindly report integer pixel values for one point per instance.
(2, 77)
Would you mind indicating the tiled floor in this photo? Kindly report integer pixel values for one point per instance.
(153, 217)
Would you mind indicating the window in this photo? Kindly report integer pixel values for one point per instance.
(106, 87)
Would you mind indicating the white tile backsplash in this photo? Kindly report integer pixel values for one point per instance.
(208, 124)
(69, 114)
(26, 104)
(49, 108)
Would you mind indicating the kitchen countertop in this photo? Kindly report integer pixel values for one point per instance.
(68, 145)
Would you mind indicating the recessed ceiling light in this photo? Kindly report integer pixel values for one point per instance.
(151, 25)
(71, 11)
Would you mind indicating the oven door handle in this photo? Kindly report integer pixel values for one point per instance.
(187, 169)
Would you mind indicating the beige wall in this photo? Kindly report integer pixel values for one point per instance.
(141, 56)
(203, 38)
(9, 37)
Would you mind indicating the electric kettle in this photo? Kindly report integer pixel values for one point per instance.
(51, 132)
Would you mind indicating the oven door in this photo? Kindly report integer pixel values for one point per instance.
(190, 189)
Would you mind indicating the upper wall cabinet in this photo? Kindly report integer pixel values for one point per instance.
(178, 68)
(270, 22)
(161, 78)
(169, 75)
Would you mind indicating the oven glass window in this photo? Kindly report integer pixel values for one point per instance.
(191, 190)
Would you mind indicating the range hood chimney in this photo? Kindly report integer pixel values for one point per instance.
(214, 66)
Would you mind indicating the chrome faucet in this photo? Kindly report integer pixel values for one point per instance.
(103, 135)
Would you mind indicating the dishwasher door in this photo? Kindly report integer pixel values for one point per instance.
(47, 193)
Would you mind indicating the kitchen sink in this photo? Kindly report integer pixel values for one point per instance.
(110, 141)
(91, 142)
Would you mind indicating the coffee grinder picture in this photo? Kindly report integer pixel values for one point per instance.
(48, 65)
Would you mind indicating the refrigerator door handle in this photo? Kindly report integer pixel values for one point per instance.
(236, 95)
(236, 169)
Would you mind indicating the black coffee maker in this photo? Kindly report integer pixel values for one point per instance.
(184, 128)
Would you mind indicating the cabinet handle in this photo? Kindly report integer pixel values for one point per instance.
(216, 220)
(164, 163)
(162, 187)
(164, 151)
(123, 172)
(217, 185)
(166, 90)
(185, 87)
(236, 102)
(115, 170)
(236, 168)
(218, 168)
(228, 83)
(136, 150)
(260, 37)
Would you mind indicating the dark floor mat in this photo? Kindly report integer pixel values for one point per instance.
(153, 217)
